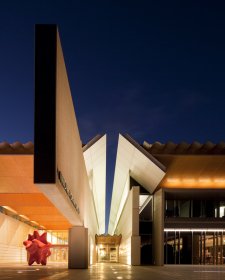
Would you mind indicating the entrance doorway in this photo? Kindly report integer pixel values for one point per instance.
(107, 248)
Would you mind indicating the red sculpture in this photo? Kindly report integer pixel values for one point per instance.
(38, 248)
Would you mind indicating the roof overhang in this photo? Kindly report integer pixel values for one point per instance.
(193, 171)
(20, 193)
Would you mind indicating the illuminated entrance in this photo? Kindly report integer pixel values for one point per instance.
(108, 247)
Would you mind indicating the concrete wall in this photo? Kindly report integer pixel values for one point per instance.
(71, 179)
(128, 226)
(158, 227)
(69, 155)
(13, 233)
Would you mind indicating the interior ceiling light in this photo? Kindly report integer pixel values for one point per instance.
(10, 209)
(194, 180)
(194, 229)
(24, 217)
(42, 227)
(173, 180)
(219, 180)
(204, 180)
(189, 180)
(34, 222)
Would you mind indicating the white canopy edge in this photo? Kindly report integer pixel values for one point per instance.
(132, 160)
(95, 160)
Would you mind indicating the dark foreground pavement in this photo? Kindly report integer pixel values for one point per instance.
(112, 271)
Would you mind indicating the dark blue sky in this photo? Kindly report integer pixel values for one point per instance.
(153, 69)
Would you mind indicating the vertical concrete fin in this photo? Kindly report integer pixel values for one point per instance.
(45, 103)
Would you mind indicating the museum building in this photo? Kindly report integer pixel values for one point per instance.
(58, 184)
(168, 200)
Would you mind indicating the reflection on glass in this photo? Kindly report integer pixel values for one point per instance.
(59, 253)
(194, 208)
(209, 249)
(194, 247)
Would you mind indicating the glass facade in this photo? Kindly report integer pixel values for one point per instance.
(59, 249)
(145, 227)
(194, 247)
(192, 208)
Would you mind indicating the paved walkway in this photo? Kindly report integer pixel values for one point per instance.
(112, 272)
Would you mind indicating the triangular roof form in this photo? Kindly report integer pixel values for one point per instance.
(132, 160)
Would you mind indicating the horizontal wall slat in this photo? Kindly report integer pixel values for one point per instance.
(13, 233)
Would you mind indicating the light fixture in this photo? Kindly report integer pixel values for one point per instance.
(24, 217)
(33, 222)
(188, 180)
(194, 229)
(191, 180)
(42, 227)
(204, 180)
(219, 180)
(173, 180)
(10, 209)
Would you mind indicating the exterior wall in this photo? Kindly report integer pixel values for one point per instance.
(13, 233)
(69, 154)
(158, 228)
(95, 161)
(128, 226)
(70, 191)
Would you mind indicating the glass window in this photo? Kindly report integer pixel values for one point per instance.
(185, 208)
(222, 209)
(186, 248)
(169, 208)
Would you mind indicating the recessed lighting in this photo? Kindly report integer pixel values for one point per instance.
(204, 180)
(173, 180)
(33, 222)
(188, 180)
(42, 227)
(10, 209)
(24, 217)
(219, 180)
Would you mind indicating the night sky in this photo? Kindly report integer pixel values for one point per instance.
(153, 69)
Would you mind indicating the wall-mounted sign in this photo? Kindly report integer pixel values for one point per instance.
(67, 190)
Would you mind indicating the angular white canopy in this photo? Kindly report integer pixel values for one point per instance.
(95, 160)
(132, 160)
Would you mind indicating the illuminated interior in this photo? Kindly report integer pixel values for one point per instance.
(107, 247)
(59, 249)
(194, 246)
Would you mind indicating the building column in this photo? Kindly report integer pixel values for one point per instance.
(135, 238)
(78, 247)
(158, 228)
